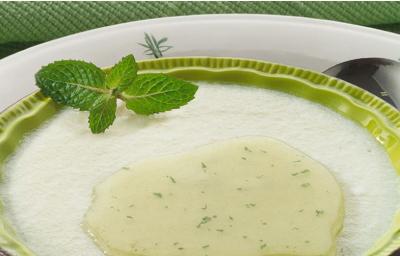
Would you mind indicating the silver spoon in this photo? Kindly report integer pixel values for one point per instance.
(379, 76)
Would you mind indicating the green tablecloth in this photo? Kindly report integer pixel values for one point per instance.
(23, 24)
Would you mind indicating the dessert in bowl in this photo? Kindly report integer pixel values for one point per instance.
(48, 182)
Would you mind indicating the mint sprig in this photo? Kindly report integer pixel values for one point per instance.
(73, 83)
(122, 74)
(102, 113)
(86, 87)
(154, 93)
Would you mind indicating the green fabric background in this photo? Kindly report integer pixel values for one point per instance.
(23, 24)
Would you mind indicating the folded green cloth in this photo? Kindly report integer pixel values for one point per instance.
(23, 24)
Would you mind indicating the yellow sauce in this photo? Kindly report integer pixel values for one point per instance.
(244, 197)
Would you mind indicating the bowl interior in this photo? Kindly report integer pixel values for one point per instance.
(378, 117)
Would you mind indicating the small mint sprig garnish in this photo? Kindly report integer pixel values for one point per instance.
(86, 87)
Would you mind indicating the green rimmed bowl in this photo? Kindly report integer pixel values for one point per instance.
(378, 117)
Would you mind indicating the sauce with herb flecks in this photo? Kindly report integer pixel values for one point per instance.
(252, 196)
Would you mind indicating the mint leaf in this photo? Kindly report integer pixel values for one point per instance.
(74, 83)
(122, 74)
(154, 93)
(84, 86)
(102, 113)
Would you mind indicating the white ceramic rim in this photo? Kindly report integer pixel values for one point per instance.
(17, 70)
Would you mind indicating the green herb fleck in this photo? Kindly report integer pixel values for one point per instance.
(305, 185)
(302, 172)
(244, 158)
(239, 189)
(172, 179)
(205, 246)
(129, 217)
(263, 246)
(181, 248)
(244, 237)
(203, 165)
(204, 220)
(319, 212)
(307, 241)
(250, 205)
(220, 230)
(159, 195)
(297, 161)
(247, 149)
(230, 217)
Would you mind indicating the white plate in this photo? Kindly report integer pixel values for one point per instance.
(309, 43)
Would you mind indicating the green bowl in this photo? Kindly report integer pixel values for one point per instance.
(378, 117)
